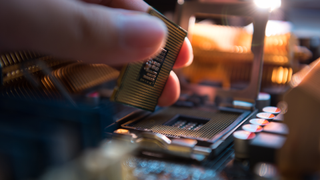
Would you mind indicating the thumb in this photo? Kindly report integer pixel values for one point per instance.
(81, 31)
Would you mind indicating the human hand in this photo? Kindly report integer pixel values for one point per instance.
(113, 32)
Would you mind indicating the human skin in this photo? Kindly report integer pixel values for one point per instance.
(112, 32)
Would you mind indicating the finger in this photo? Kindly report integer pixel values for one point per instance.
(137, 5)
(81, 31)
(93, 1)
(185, 56)
(171, 91)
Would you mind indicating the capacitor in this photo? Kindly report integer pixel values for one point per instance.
(258, 121)
(263, 100)
(252, 128)
(241, 143)
(271, 109)
(267, 116)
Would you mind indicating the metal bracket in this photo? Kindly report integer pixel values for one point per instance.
(188, 9)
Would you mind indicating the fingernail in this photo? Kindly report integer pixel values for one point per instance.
(142, 31)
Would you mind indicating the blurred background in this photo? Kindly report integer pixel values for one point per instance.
(222, 47)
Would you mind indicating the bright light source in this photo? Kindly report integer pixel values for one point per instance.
(273, 27)
(180, 2)
(272, 4)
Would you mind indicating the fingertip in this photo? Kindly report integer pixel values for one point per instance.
(128, 37)
(137, 5)
(143, 34)
(185, 56)
(171, 91)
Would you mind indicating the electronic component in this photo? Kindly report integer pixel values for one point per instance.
(260, 122)
(140, 84)
(241, 143)
(207, 126)
(188, 123)
(263, 100)
(150, 70)
(15, 65)
(271, 109)
(196, 133)
(267, 116)
(252, 128)
(77, 77)
(269, 138)
(222, 53)
(29, 75)
(264, 146)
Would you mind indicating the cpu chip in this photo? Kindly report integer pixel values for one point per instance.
(140, 84)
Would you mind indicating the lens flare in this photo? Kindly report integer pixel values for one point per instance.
(272, 4)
